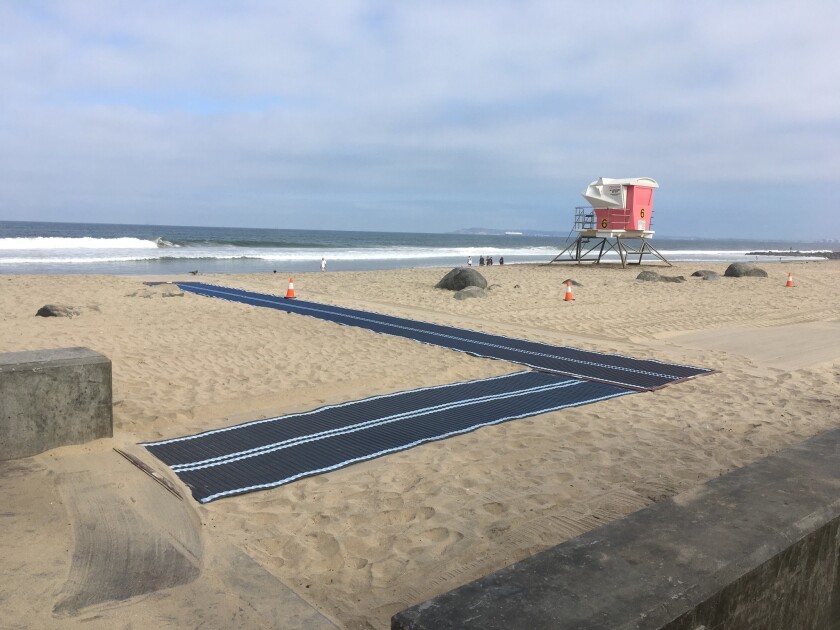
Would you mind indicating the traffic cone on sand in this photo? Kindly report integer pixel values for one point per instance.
(789, 283)
(569, 297)
(290, 293)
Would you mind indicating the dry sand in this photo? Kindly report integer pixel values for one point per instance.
(354, 546)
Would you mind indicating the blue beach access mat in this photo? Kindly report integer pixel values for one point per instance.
(272, 452)
(615, 369)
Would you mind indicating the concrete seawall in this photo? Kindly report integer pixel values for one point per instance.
(756, 548)
(51, 398)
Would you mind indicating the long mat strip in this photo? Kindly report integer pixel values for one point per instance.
(642, 374)
(276, 451)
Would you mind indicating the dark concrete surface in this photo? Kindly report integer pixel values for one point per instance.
(90, 541)
(118, 551)
(756, 548)
(51, 398)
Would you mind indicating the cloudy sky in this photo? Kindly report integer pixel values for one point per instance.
(420, 116)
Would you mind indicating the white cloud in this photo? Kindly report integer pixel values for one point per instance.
(154, 109)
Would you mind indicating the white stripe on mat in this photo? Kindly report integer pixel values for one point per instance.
(360, 426)
(280, 482)
(444, 335)
(245, 425)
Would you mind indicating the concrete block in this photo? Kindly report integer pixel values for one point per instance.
(756, 548)
(51, 398)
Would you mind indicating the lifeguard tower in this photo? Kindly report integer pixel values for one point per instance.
(618, 220)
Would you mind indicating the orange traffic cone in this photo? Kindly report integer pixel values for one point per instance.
(290, 294)
(569, 297)
(789, 283)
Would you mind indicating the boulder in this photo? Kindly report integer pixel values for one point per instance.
(741, 270)
(652, 276)
(648, 276)
(461, 278)
(54, 310)
(470, 292)
(706, 274)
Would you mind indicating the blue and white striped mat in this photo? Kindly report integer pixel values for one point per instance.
(641, 374)
(268, 453)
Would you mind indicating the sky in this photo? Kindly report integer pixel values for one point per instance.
(421, 116)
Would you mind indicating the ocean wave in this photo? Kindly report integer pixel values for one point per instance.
(75, 260)
(67, 251)
(404, 253)
(265, 244)
(689, 255)
(291, 256)
(85, 242)
(82, 260)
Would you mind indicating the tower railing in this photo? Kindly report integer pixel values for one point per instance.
(585, 218)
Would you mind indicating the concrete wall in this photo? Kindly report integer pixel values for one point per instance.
(756, 548)
(51, 398)
(797, 588)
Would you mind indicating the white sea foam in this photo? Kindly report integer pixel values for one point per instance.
(403, 253)
(700, 255)
(44, 256)
(96, 251)
(86, 242)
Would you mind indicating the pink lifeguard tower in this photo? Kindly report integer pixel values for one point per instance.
(618, 220)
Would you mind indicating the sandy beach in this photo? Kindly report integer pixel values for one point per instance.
(359, 544)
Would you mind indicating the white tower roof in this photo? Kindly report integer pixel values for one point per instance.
(607, 192)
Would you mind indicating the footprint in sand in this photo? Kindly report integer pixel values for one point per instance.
(494, 508)
(441, 536)
(356, 563)
(328, 548)
(385, 571)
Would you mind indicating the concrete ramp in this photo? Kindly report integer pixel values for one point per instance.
(789, 347)
(91, 541)
(122, 549)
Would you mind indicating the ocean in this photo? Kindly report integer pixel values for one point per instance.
(94, 248)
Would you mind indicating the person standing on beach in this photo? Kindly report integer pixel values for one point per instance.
(469, 261)
(323, 264)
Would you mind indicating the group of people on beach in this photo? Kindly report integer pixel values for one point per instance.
(482, 261)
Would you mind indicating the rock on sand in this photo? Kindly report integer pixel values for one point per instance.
(706, 274)
(740, 270)
(54, 310)
(461, 278)
(652, 276)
